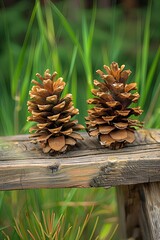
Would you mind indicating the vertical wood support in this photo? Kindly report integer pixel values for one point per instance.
(139, 211)
(129, 208)
(150, 210)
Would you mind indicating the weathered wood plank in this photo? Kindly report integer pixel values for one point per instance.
(24, 166)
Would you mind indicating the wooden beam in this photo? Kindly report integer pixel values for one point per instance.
(24, 166)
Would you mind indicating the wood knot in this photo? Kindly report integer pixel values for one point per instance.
(54, 168)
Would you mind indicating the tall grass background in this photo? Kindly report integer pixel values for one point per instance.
(75, 43)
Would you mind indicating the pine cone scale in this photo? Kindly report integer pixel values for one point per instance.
(130, 136)
(64, 120)
(56, 143)
(46, 107)
(103, 129)
(53, 117)
(106, 140)
(70, 141)
(55, 130)
(131, 86)
(42, 136)
(52, 99)
(119, 135)
(121, 125)
(67, 132)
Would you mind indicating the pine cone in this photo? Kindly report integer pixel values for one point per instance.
(109, 118)
(55, 131)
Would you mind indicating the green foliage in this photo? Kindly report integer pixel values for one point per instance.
(148, 78)
(82, 212)
(50, 228)
(74, 45)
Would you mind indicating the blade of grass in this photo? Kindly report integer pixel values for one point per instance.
(150, 78)
(7, 36)
(24, 90)
(113, 37)
(113, 232)
(18, 230)
(154, 103)
(67, 232)
(84, 54)
(138, 58)
(87, 36)
(84, 225)
(70, 79)
(1, 198)
(92, 28)
(46, 227)
(52, 38)
(145, 48)
(156, 119)
(42, 28)
(94, 228)
(40, 226)
(31, 235)
(18, 69)
(105, 56)
(6, 103)
(72, 64)
(38, 55)
(68, 199)
(26, 80)
(67, 27)
(74, 87)
(144, 56)
(152, 70)
(7, 237)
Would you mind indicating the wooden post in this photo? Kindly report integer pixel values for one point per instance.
(129, 208)
(150, 210)
(139, 211)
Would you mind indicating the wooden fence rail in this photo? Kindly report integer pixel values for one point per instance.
(134, 170)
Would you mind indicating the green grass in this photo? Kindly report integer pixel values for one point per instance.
(75, 49)
(73, 204)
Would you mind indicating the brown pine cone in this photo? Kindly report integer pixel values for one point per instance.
(109, 119)
(55, 130)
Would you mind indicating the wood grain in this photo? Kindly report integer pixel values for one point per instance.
(150, 210)
(129, 212)
(24, 166)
